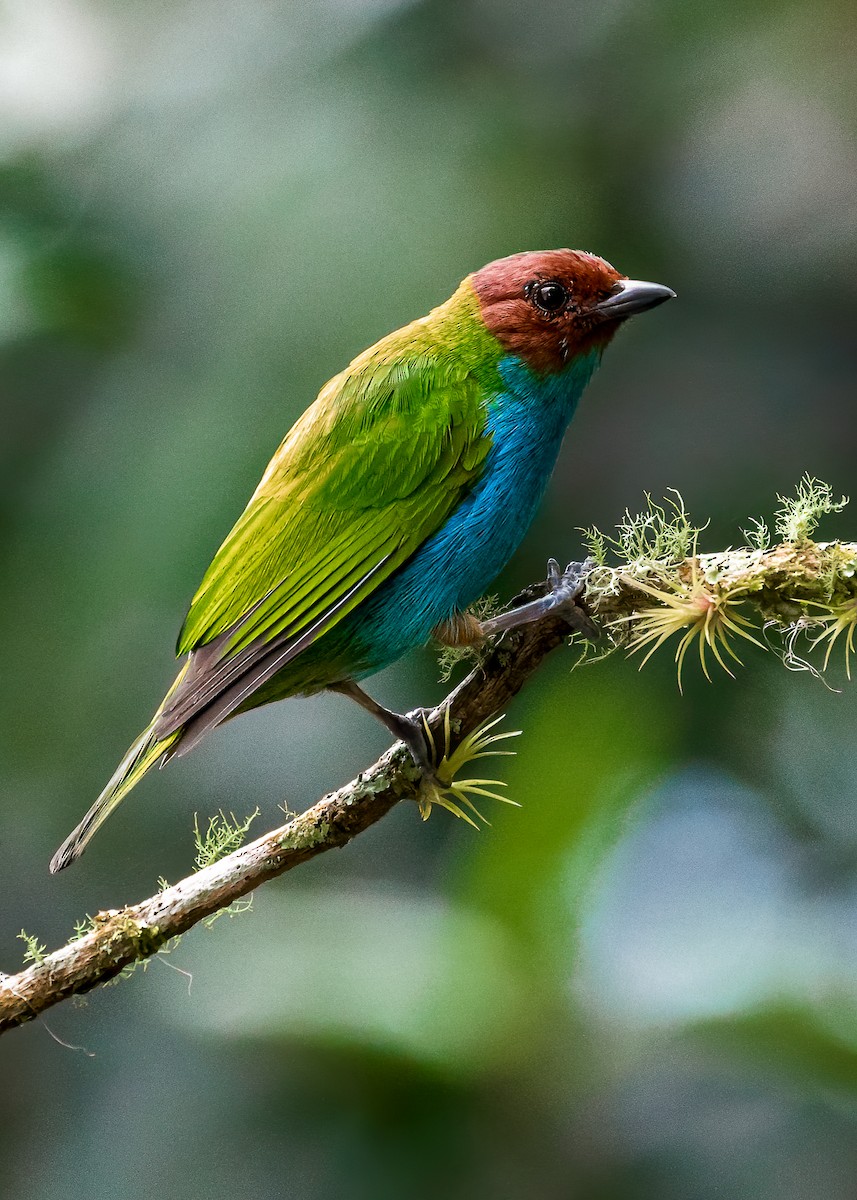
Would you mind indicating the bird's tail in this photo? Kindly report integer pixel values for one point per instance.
(141, 757)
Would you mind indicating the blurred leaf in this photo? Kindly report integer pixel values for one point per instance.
(358, 965)
(594, 742)
(801, 1043)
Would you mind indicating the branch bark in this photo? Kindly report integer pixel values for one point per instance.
(791, 582)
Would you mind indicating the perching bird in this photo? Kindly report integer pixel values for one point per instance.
(391, 505)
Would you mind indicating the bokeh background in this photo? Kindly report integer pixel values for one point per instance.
(641, 985)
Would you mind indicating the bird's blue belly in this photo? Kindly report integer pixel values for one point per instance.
(458, 563)
(456, 566)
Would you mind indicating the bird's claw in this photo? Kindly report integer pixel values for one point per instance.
(565, 589)
(419, 739)
(413, 731)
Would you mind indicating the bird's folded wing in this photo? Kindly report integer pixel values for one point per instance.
(369, 472)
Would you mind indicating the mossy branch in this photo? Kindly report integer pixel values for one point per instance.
(713, 601)
(660, 587)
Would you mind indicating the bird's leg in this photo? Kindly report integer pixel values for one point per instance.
(438, 782)
(404, 727)
(564, 589)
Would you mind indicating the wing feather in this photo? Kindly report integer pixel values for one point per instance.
(370, 471)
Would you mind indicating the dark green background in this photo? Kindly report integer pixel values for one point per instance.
(642, 985)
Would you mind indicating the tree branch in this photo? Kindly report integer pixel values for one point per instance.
(793, 585)
(125, 936)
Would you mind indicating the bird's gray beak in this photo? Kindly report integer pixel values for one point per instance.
(630, 296)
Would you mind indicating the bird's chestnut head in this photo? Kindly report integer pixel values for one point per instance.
(548, 306)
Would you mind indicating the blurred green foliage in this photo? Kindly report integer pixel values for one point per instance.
(642, 984)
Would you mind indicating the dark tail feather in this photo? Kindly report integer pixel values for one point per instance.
(226, 704)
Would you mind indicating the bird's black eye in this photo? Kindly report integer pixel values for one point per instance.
(549, 297)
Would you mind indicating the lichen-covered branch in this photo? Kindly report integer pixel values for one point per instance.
(651, 595)
(712, 601)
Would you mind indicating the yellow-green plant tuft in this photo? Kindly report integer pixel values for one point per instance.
(456, 795)
(701, 610)
(840, 621)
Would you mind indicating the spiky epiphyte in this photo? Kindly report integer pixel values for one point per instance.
(839, 621)
(705, 611)
(454, 794)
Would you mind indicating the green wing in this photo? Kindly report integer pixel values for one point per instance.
(370, 471)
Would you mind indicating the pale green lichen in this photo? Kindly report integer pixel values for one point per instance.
(798, 516)
(757, 536)
(223, 835)
(35, 950)
(660, 533)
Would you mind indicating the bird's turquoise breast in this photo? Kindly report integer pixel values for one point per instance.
(458, 563)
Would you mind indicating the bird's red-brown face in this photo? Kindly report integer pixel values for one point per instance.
(548, 306)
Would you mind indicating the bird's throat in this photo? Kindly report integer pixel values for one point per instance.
(553, 397)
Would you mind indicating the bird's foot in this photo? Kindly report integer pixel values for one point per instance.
(440, 785)
(563, 592)
(438, 770)
(412, 729)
